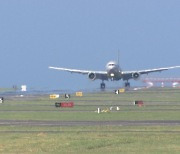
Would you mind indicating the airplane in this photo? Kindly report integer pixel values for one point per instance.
(114, 73)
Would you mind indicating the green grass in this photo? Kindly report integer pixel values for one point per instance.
(7, 89)
(91, 142)
(159, 104)
(90, 116)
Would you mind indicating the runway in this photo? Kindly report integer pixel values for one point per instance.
(89, 103)
(89, 123)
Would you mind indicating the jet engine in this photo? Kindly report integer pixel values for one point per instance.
(136, 75)
(92, 76)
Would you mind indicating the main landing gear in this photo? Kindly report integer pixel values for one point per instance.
(102, 86)
(127, 84)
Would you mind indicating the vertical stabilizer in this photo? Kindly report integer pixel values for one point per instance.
(118, 56)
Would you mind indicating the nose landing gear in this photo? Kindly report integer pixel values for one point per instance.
(102, 86)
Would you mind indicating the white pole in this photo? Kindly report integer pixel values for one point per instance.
(99, 110)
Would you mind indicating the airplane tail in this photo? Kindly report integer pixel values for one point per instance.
(118, 56)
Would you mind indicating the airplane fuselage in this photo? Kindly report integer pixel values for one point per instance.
(113, 70)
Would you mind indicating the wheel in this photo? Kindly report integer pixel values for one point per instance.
(103, 85)
(127, 84)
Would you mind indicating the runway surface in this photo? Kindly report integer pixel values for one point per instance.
(28, 103)
(89, 123)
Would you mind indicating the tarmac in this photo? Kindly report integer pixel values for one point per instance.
(89, 123)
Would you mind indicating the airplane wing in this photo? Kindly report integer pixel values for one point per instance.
(70, 70)
(99, 74)
(129, 74)
(157, 69)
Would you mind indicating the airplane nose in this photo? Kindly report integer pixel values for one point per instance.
(112, 74)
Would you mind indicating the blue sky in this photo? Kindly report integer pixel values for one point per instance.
(85, 34)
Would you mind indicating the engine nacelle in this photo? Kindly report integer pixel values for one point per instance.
(136, 75)
(92, 76)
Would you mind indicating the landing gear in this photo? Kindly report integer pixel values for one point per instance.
(127, 84)
(103, 86)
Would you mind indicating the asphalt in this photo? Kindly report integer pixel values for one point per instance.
(89, 123)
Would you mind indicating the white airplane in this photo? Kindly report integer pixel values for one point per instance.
(114, 73)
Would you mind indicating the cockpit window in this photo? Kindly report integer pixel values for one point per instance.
(111, 64)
